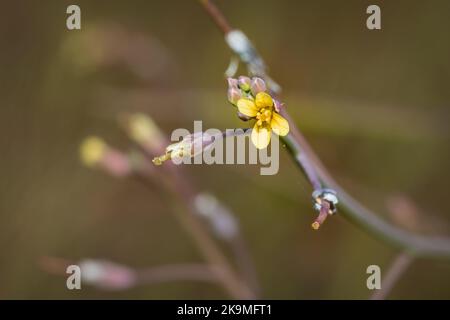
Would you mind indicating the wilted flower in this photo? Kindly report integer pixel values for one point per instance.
(190, 146)
(254, 102)
(324, 202)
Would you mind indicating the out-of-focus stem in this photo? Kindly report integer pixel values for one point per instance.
(302, 161)
(216, 15)
(185, 213)
(396, 270)
(177, 272)
(108, 272)
(181, 188)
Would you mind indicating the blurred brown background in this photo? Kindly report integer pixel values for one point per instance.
(374, 104)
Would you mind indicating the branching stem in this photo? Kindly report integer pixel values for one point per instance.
(317, 175)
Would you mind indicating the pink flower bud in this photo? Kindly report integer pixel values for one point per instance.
(232, 83)
(258, 85)
(244, 83)
(234, 94)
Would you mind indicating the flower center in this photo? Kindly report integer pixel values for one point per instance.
(264, 115)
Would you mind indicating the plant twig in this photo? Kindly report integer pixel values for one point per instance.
(216, 15)
(96, 153)
(396, 270)
(208, 247)
(181, 189)
(109, 275)
(417, 245)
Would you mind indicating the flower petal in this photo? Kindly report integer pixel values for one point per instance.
(279, 124)
(247, 107)
(261, 136)
(263, 99)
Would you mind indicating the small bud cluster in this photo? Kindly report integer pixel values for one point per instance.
(245, 87)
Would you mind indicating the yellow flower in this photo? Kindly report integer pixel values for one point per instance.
(261, 108)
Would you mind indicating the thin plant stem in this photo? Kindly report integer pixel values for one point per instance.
(417, 245)
(187, 216)
(398, 267)
(146, 276)
(177, 272)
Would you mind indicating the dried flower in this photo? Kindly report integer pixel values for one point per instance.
(190, 146)
(324, 202)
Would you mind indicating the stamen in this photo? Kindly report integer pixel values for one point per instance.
(159, 160)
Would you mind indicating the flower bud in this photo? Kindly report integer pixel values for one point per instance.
(258, 85)
(244, 83)
(232, 83)
(234, 94)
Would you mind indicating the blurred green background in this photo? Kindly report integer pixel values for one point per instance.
(374, 105)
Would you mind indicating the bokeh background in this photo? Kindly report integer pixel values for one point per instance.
(374, 105)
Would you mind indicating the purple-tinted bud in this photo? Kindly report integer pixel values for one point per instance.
(243, 117)
(258, 85)
(232, 83)
(277, 105)
(244, 83)
(234, 94)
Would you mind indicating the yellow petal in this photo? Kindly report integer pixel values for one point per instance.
(247, 107)
(263, 99)
(261, 136)
(279, 125)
